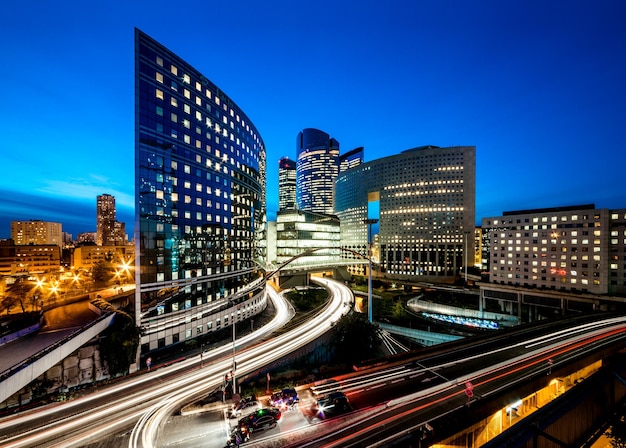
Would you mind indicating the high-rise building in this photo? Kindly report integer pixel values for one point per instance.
(286, 184)
(572, 248)
(36, 232)
(317, 166)
(109, 232)
(105, 220)
(424, 202)
(200, 202)
(351, 159)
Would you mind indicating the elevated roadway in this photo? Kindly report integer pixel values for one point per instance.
(144, 400)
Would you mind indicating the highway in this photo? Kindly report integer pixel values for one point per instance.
(428, 390)
(140, 401)
(431, 392)
(392, 401)
(116, 408)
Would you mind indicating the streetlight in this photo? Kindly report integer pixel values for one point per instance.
(234, 362)
(465, 255)
(370, 308)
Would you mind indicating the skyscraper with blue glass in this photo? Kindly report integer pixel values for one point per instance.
(317, 166)
(200, 169)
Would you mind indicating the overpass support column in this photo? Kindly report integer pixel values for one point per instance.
(481, 303)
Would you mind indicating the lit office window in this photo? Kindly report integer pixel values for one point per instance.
(159, 77)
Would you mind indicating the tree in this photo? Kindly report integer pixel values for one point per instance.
(398, 312)
(355, 338)
(102, 273)
(118, 344)
(19, 290)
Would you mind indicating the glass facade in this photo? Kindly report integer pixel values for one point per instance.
(424, 199)
(317, 166)
(298, 231)
(200, 202)
(286, 184)
(351, 159)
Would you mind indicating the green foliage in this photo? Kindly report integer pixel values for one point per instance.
(398, 312)
(355, 338)
(119, 343)
(102, 273)
(307, 299)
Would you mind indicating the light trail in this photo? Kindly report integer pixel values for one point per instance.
(120, 407)
(432, 396)
(145, 433)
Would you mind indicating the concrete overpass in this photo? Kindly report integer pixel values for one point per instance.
(25, 359)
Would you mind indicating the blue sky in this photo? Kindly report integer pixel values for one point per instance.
(538, 87)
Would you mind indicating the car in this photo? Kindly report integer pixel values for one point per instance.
(285, 399)
(263, 418)
(245, 406)
(331, 405)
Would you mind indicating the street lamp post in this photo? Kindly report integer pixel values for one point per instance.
(465, 257)
(234, 362)
(370, 307)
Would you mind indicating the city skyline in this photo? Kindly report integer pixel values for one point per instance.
(537, 89)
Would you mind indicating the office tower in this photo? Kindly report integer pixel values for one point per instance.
(105, 220)
(424, 201)
(286, 184)
(351, 159)
(200, 202)
(36, 232)
(317, 166)
(572, 248)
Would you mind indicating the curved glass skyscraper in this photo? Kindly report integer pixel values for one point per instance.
(200, 202)
(317, 166)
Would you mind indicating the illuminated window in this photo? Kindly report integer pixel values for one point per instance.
(159, 94)
(159, 77)
(174, 70)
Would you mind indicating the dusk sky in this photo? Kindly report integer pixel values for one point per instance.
(539, 87)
